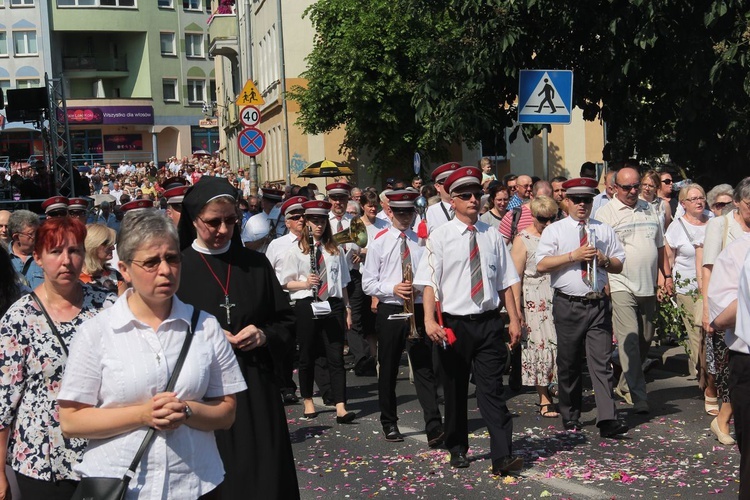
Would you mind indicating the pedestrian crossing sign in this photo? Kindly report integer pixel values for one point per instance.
(545, 96)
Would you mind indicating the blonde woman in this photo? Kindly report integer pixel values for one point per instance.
(100, 244)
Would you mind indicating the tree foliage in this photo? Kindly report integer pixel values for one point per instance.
(669, 77)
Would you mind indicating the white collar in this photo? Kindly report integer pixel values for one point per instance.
(208, 251)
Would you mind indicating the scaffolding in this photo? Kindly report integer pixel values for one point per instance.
(56, 138)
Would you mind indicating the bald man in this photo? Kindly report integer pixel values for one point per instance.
(4, 232)
(524, 184)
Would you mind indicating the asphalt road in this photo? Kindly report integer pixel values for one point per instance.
(670, 453)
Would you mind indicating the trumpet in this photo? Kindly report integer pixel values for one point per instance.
(313, 263)
(591, 267)
(356, 233)
(408, 275)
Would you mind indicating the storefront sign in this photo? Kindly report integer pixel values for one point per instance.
(123, 142)
(111, 115)
(208, 123)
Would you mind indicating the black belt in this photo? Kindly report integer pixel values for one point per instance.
(590, 298)
(474, 317)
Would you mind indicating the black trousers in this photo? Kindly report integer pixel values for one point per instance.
(311, 333)
(479, 341)
(283, 364)
(739, 394)
(48, 490)
(363, 319)
(392, 338)
(584, 326)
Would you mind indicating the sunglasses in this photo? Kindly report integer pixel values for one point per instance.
(545, 220)
(152, 264)
(468, 196)
(580, 199)
(721, 204)
(216, 223)
(57, 213)
(294, 217)
(629, 187)
(77, 213)
(666, 181)
(403, 211)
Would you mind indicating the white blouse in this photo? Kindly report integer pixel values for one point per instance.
(297, 268)
(117, 361)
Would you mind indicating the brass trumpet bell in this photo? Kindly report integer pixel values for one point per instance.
(356, 233)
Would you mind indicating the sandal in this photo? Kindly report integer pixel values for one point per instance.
(545, 412)
(711, 405)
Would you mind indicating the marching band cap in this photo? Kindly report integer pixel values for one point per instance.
(175, 182)
(339, 188)
(583, 186)
(136, 205)
(463, 176)
(401, 199)
(317, 207)
(176, 194)
(293, 203)
(78, 204)
(55, 203)
(273, 194)
(443, 171)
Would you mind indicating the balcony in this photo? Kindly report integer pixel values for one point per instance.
(90, 66)
(222, 33)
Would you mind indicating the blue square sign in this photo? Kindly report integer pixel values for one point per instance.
(545, 96)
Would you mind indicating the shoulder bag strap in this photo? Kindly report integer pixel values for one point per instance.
(690, 238)
(51, 323)
(170, 386)
(726, 229)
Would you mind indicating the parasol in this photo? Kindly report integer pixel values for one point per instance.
(325, 168)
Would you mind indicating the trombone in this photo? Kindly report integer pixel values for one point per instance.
(408, 275)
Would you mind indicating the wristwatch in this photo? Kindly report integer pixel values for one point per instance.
(187, 411)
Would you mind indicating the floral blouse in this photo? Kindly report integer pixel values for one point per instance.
(31, 369)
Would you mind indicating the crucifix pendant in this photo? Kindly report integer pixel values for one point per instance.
(226, 305)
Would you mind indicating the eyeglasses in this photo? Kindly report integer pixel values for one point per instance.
(30, 236)
(629, 187)
(696, 198)
(468, 196)
(721, 204)
(152, 264)
(216, 223)
(525, 186)
(545, 220)
(576, 200)
(294, 217)
(57, 213)
(649, 186)
(666, 181)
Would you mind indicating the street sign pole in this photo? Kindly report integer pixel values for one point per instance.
(545, 153)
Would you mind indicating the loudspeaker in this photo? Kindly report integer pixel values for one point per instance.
(26, 104)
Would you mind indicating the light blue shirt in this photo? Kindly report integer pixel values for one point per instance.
(31, 275)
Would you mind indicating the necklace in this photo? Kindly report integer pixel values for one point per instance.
(224, 288)
(156, 353)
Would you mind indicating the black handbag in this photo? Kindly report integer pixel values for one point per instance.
(114, 488)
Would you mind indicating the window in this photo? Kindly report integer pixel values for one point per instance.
(21, 2)
(5, 84)
(96, 3)
(27, 84)
(169, 89)
(191, 4)
(193, 45)
(166, 40)
(196, 90)
(212, 90)
(76, 3)
(3, 43)
(165, 4)
(24, 43)
(117, 3)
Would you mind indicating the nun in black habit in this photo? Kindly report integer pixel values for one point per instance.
(239, 287)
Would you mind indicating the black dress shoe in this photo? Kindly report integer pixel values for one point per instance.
(392, 434)
(346, 419)
(310, 415)
(289, 397)
(572, 425)
(507, 465)
(612, 428)
(435, 436)
(459, 460)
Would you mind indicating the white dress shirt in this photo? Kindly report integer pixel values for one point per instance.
(277, 250)
(382, 270)
(562, 237)
(436, 215)
(445, 262)
(116, 360)
(730, 268)
(297, 268)
(259, 225)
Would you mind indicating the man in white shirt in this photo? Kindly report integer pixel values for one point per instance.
(384, 276)
(440, 213)
(729, 310)
(634, 292)
(467, 268)
(116, 191)
(266, 226)
(580, 307)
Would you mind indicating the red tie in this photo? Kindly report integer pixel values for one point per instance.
(475, 266)
(322, 274)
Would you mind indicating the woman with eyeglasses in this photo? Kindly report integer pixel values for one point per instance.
(650, 189)
(720, 232)
(316, 276)
(34, 356)
(499, 196)
(239, 287)
(100, 245)
(534, 307)
(683, 237)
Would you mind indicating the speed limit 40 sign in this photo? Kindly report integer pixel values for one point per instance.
(250, 116)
